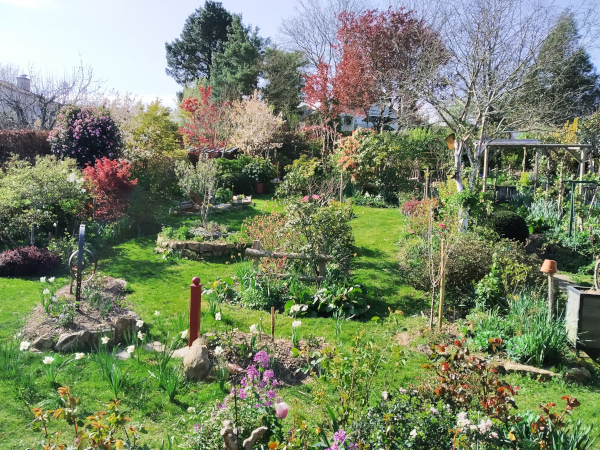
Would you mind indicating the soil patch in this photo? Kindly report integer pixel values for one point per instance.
(45, 331)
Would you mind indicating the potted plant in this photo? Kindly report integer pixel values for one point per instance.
(260, 170)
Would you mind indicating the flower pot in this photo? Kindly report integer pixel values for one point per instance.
(582, 314)
(259, 188)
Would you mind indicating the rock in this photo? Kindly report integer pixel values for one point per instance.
(70, 341)
(509, 366)
(155, 346)
(42, 343)
(181, 352)
(578, 375)
(196, 365)
(123, 354)
(424, 349)
(123, 325)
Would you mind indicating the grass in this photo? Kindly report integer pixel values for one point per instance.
(155, 284)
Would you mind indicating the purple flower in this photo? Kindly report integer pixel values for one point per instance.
(268, 374)
(262, 358)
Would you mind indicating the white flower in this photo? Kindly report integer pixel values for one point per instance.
(402, 390)
(48, 360)
(463, 420)
(296, 323)
(105, 339)
(219, 350)
(51, 279)
(191, 409)
(83, 191)
(484, 426)
(184, 334)
(384, 395)
(79, 355)
(46, 292)
(72, 177)
(494, 435)
(218, 316)
(130, 349)
(156, 313)
(304, 307)
(413, 433)
(253, 329)
(24, 345)
(295, 308)
(433, 410)
(43, 279)
(139, 323)
(140, 336)
(54, 224)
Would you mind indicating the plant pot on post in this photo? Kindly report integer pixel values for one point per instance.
(259, 188)
(583, 318)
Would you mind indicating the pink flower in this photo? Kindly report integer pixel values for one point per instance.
(315, 197)
(281, 410)
(442, 226)
(305, 198)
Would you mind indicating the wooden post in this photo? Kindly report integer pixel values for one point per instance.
(485, 168)
(256, 246)
(582, 168)
(272, 323)
(427, 176)
(442, 285)
(524, 158)
(322, 268)
(195, 307)
(550, 296)
(536, 167)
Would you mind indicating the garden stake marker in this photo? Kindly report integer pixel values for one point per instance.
(272, 324)
(195, 306)
(442, 283)
(549, 267)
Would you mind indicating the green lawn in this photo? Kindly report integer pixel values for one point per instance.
(158, 285)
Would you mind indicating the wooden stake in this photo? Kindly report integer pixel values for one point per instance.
(550, 296)
(442, 285)
(273, 323)
(256, 246)
(485, 168)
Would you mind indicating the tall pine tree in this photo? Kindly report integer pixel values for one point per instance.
(204, 35)
(235, 71)
(562, 83)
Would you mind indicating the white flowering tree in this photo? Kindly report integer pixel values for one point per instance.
(39, 195)
(255, 126)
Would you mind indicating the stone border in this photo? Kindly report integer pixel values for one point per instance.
(194, 249)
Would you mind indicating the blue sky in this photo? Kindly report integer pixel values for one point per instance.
(123, 40)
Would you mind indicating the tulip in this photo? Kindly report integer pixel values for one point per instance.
(281, 410)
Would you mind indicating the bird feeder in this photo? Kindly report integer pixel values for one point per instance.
(549, 268)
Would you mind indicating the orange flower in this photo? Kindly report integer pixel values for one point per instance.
(273, 445)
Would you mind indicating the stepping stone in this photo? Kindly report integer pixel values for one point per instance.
(155, 346)
(123, 354)
(181, 352)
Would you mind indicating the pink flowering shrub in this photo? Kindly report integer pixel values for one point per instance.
(86, 134)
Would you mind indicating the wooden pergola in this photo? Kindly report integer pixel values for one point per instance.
(534, 143)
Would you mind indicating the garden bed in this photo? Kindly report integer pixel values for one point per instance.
(195, 249)
(88, 325)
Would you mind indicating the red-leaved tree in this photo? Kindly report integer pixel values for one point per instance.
(206, 122)
(387, 58)
(111, 186)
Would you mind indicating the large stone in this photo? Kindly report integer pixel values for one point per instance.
(578, 375)
(523, 369)
(123, 325)
(196, 365)
(71, 341)
(42, 343)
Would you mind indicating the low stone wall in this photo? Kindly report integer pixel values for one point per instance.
(194, 250)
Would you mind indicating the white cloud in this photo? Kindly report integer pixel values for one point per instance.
(30, 4)
(166, 100)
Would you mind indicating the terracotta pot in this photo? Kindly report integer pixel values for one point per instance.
(549, 266)
(259, 188)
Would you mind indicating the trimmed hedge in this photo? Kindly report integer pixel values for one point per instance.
(25, 261)
(510, 225)
(26, 144)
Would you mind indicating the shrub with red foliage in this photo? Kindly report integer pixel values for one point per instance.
(111, 186)
(26, 144)
(412, 207)
(24, 261)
